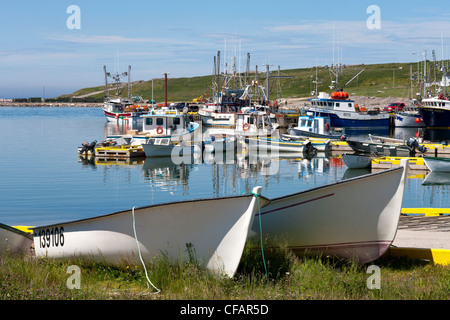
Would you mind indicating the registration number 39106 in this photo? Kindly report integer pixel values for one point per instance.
(51, 237)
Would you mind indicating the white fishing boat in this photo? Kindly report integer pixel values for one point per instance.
(410, 117)
(283, 145)
(166, 147)
(211, 232)
(357, 160)
(256, 123)
(13, 240)
(313, 126)
(123, 110)
(218, 143)
(354, 219)
(437, 164)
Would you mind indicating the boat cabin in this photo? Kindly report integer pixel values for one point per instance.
(338, 101)
(315, 124)
(162, 123)
(256, 122)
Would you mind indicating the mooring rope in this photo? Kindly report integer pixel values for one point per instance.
(140, 256)
(260, 232)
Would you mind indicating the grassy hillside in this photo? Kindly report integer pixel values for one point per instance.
(377, 80)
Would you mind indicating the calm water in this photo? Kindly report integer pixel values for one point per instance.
(44, 181)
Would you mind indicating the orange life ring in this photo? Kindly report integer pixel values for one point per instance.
(245, 126)
(327, 127)
(159, 130)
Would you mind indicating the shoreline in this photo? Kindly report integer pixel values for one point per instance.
(51, 104)
(283, 103)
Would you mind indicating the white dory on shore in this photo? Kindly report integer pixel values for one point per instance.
(355, 219)
(213, 232)
(14, 240)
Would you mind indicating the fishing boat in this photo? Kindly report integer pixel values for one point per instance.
(168, 133)
(384, 147)
(436, 112)
(409, 117)
(256, 123)
(437, 164)
(313, 126)
(166, 147)
(345, 113)
(211, 232)
(282, 145)
(355, 219)
(221, 143)
(162, 123)
(357, 160)
(14, 240)
(123, 110)
(223, 109)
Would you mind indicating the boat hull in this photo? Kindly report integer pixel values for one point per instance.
(357, 161)
(340, 119)
(13, 240)
(285, 146)
(409, 120)
(151, 150)
(302, 133)
(381, 149)
(437, 164)
(213, 232)
(437, 118)
(360, 228)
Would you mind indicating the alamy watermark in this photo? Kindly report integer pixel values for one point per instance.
(374, 20)
(374, 281)
(74, 20)
(74, 280)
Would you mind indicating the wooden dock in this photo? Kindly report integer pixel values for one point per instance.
(415, 163)
(123, 151)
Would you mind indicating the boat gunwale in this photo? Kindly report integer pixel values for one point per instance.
(15, 230)
(349, 180)
(263, 203)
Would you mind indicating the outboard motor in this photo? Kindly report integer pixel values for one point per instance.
(86, 147)
(309, 148)
(413, 144)
(343, 137)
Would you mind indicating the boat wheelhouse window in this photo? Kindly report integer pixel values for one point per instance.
(303, 122)
(176, 121)
(148, 121)
(330, 104)
(309, 123)
(337, 104)
(349, 105)
(159, 121)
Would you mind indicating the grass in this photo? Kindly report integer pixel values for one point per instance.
(377, 80)
(289, 277)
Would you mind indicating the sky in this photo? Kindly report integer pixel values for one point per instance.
(46, 47)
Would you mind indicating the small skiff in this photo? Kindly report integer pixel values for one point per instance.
(354, 219)
(14, 240)
(357, 161)
(211, 232)
(281, 145)
(437, 164)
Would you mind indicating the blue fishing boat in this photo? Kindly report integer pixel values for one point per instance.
(436, 112)
(344, 112)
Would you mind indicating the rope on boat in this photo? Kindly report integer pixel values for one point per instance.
(140, 256)
(260, 232)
